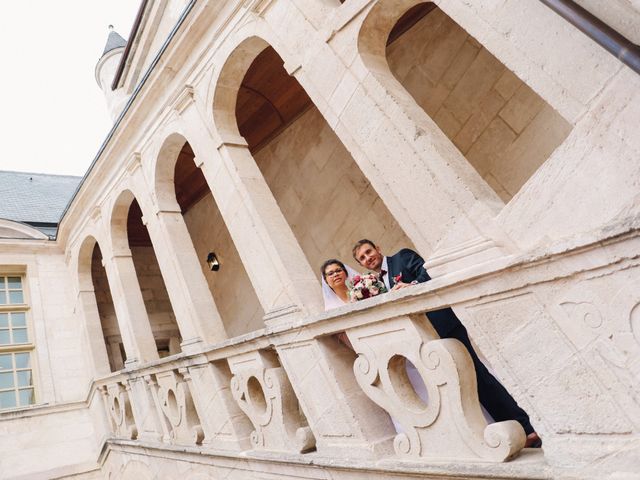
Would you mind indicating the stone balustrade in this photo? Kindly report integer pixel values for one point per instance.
(302, 386)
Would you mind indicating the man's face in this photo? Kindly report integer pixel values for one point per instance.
(369, 257)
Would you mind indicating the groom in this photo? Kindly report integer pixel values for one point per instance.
(406, 268)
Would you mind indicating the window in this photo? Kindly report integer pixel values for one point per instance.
(16, 371)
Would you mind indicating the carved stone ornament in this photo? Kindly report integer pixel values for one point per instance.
(116, 398)
(225, 426)
(264, 393)
(175, 407)
(435, 407)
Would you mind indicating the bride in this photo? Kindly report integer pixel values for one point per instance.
(335, 276)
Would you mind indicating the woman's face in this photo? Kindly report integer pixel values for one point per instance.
(335, 275)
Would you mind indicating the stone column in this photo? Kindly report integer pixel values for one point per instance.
(193, 305)
(144, 409)
(131, 313)
(184, 278)
(279, 271)
(432, 191)
(88, 309)
(225, 426)
(196, 312)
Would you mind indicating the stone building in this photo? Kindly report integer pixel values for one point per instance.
(267, 135)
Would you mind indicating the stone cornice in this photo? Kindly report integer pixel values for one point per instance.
(29, 246)
(533, 466)
(43, 409)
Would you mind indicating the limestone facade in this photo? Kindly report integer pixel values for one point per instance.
(489, 135)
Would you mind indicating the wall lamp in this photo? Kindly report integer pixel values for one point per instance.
(212, 261)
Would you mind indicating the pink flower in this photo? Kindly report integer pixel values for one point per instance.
(356, 279)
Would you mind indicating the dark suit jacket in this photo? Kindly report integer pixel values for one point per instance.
(411, 266)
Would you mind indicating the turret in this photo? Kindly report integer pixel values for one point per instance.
(106, 70)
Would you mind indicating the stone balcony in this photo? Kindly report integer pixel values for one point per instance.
(292, 397)
(294, 394)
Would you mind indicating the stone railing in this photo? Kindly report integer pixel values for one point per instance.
(329, 383)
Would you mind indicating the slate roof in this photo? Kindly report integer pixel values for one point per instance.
(37, 199)
(114, 40)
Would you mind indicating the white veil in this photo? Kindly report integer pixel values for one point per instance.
(331, 300)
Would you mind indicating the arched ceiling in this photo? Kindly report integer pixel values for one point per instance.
(269, 99)
(191, 186)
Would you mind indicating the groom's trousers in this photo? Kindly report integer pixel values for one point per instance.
(492, 394)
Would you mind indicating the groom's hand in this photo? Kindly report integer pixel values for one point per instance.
(400, 285)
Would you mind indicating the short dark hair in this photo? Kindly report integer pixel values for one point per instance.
(331, 261)
(360, 243)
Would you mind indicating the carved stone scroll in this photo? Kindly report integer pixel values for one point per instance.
(263, 392)
(175, 406)
(119, 411)
(443, 420)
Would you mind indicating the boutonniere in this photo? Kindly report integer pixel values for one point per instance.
(397, 278)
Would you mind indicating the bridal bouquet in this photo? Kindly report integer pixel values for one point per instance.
(365, 286)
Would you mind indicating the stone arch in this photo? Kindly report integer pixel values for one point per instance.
(182, 192)
(172, 142)
(128, 192)
(372, 44)
(96, 305)
(130, 238)
(441, 75)
(83, 256)
(223, 105)
(118, 222)
(237, 54)
(320, 236)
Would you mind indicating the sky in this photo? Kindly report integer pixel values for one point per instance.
(53, 115)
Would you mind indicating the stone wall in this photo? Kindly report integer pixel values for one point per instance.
(503, 128)
(230, 286)
(327, 201)
(60, 367)
(156, 299)
(50, 442)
